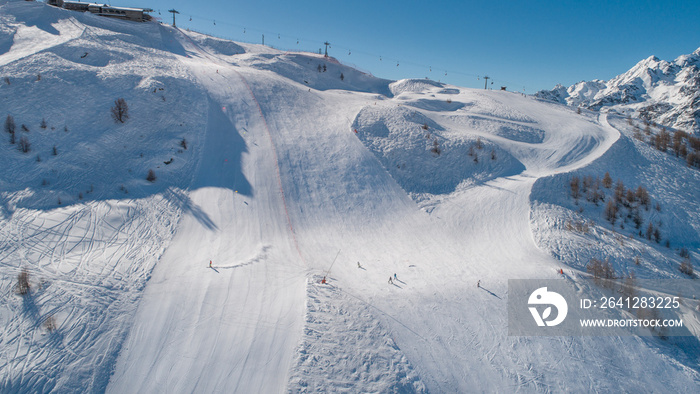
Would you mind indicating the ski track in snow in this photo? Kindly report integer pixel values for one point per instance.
(87, 271)
(289, 172)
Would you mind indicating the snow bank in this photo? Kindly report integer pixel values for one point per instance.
(670, 183)
(422, 157)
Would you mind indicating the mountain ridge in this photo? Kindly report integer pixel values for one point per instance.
(655, 90)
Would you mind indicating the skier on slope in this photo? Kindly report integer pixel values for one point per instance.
(210, 264)
(478, 283)
(391, 282)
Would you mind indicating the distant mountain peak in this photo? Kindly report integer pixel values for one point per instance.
(664, 92)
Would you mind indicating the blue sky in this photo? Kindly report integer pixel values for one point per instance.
(528, 45)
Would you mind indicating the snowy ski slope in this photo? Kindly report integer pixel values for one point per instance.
(291, 174)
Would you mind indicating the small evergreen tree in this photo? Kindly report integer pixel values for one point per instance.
(619, 191)
(643, 197)
(50, 323)
(595, 268)
(120, 111)
(10, 124)
(607, 181)
(151, 177)
(575, 188)
(611, 212)
(686, 267)
(23, 282)
(24, 144)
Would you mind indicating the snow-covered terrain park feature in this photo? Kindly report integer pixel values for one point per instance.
(273, 175)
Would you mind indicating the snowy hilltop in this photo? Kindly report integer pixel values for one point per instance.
(667, 93)
(182, 213)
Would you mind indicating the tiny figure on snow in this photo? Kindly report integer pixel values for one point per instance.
(323, 281)
(391, 282)
(478, 283)
(210, 264)
(395, 278)
(358, 265)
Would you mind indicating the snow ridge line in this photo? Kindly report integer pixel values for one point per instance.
(277, 167)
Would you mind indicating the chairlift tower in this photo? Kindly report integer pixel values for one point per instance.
(486, 81)
(327, 44)
(174, 11)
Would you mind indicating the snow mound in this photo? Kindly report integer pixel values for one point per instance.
(488, 106)
(509, 130)
(217, 46)
(424, 157)
(416, 86)
(318, 72)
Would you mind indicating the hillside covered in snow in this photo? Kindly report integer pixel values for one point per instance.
(235, 232)
(667, 93)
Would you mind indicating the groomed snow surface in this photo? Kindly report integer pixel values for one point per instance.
(292, 174)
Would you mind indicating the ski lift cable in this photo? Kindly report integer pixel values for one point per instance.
(425, 66)
(336, 258)
(391, 59)
(247, 29)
